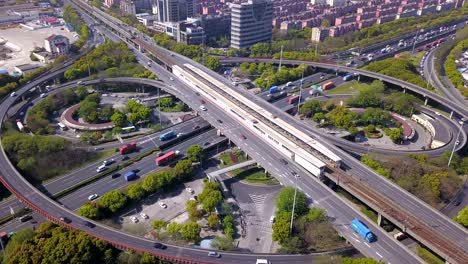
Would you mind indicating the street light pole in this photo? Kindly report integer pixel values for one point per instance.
(300, 91)
(455, 145)
(294, 204)
(159, 109)
(281, 58)
(415, 39)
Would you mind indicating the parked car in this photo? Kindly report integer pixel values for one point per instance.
(134, 219)
(189, 190)
(144, 216)
(243, 136)
(203, 108)
(196, 127)
(163, 205)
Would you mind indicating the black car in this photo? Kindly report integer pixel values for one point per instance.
(65, 219)
(115, 175)
(88, 224)
(160, 246)
(206, 143)
(284, 162)
(220, 121)
(125, 158)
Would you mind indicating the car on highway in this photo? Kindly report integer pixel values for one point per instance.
(163, 205)
(243, 136)
(159, 245)
(457, 142)
(189, 190)
(101, 168)
(107, 162)
(25, 218)
(202, 101)
(88, 224)
(283, 161)
(196, 127)
(93, 197)
(171, 78)
(115, 175)
(134, 219)
(219, 121)
(13, 94)
(203, 108)
(206, 144)
(214, 254)
(65, 219)
(125, 158)
(144, 216)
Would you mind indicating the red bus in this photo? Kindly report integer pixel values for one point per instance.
(327, 85)
(166, 157)
(293, 99)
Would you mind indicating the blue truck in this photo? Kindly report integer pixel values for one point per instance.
(273, 89)
(363, 230)
(129, 176)
(167, 135)
(348, 77)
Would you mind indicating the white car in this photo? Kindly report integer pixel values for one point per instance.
(171, 78)
(189, 190)
(92, 197)
(163, 205)
(203, 108)
(134, 219)
(144, 216)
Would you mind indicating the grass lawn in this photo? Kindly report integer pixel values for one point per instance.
(227, 158)
(352, 87)
(255, 175)
(428, 256)
(414, 59)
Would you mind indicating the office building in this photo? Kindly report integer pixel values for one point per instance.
(251, 23)
(174, 10)
(57, 44)
(216, 26)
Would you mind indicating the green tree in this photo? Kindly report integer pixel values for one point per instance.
(318, 117)
(295, 245)
(223, 243)
(284, 201)
(183, 169)
(213, 220)
(82, 91)
(113, 200)
(325, 23)
(376, 116)
(21, 237)
(190, 232)
(316, 214)
(192, 210)
(195, 153)
(281, 226)
(135, 191)
(348, 260)
(210, 196)
(462, 217)
(118, 118)
(173, 228)
(311, 107)
(150, 183)
(148, 259)
(213, 63)
(90, 210)
(158, 224)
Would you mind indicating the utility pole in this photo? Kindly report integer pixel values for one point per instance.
(281, 58)
(300, 91)
(415, 39)
(159, 109)
(294, 204)
(455, 145)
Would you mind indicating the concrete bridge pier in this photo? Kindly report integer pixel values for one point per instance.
(451, 114)
(425, 101)
(380, 219)
(404, 90)
(359, 77)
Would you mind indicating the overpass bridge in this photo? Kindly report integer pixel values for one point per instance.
(453, 249)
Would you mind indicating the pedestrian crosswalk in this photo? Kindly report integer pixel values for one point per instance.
(258, 201)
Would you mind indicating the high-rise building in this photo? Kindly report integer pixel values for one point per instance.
(174, 10)
(336, 2)
(251, 22)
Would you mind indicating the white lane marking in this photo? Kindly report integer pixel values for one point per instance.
(355, 235)
(378, 254)
(357, 240)
(345, 227)
(367, 244)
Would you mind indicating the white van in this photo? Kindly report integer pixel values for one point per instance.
(101, 168)
(263, 261)
(272, 219)
(13, 94)
(43, 95)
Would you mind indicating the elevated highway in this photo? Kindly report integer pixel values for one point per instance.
(459, 110)
(438, 244)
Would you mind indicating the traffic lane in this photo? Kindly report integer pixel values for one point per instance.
(56, 185)
(82, 174)
(296, 83)
(146, 165)
(261, 153)
(342, 213)
(16, 225)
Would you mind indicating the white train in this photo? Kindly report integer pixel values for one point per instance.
(302, 151)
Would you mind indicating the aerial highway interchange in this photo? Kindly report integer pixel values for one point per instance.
(385, 248)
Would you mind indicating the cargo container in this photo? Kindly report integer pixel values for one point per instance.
(167, 135)
(129, 176)
(348, 77)
(166, 157)
(327, 85)
(363, 230)
(128, 148)
(273, 89)
(293, 99)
